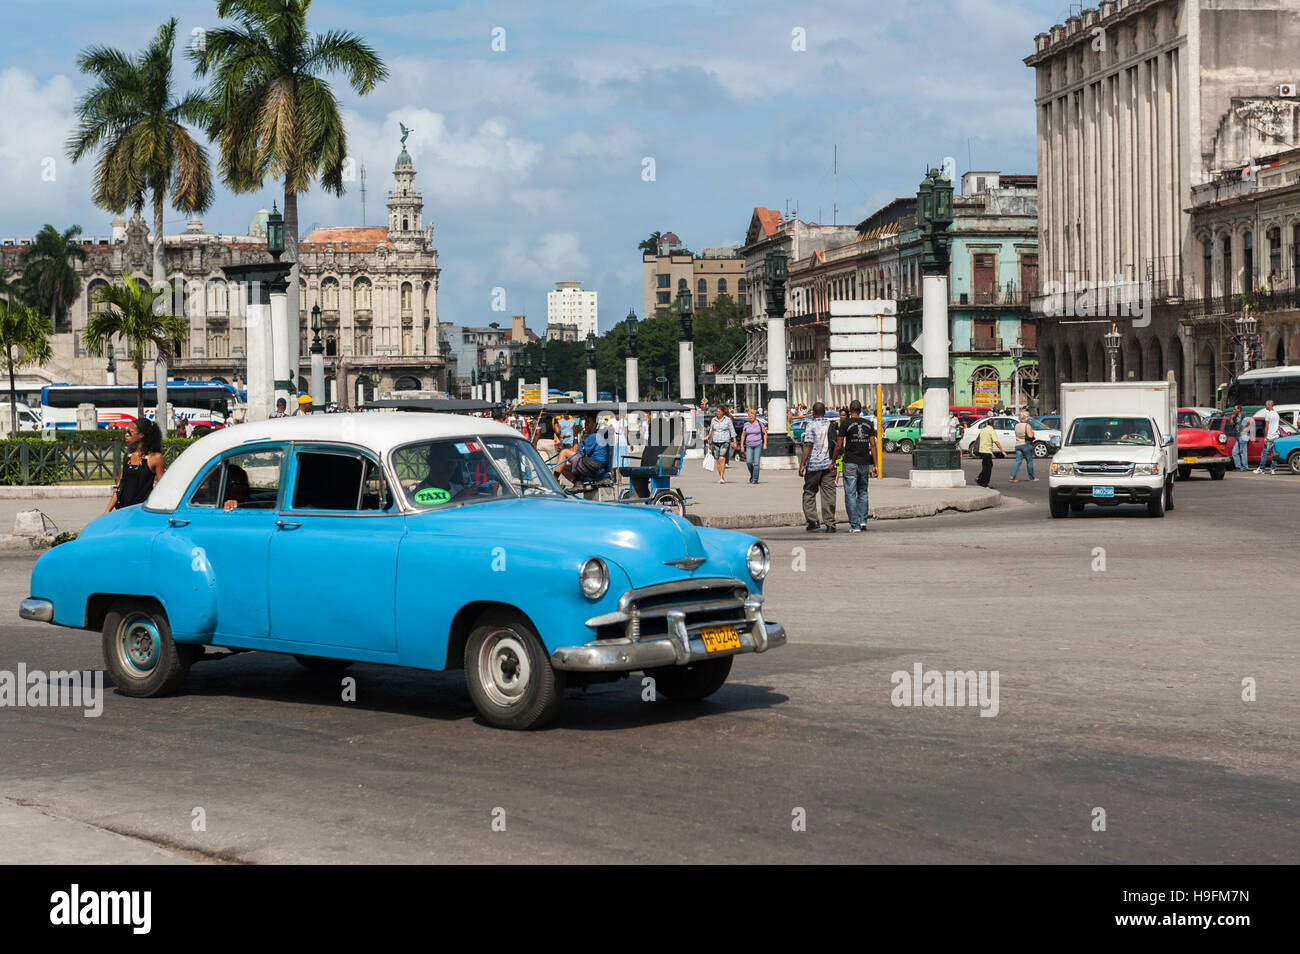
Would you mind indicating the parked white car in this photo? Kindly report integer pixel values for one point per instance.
(1046, 439)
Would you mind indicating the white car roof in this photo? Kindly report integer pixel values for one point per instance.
(376, 431)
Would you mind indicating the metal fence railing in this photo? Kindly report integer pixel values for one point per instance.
(31, 462)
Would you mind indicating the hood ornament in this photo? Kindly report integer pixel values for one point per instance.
(686, 563)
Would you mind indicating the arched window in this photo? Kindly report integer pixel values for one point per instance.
(741, 286)
(406, 296)
(361, 294)
(722, 286)
(302, 296)
(91, 291)
(681, 283)
(329, 294)
(702, 286)
(406, 384)
(331, 346)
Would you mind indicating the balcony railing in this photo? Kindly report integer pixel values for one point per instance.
(1010, 294)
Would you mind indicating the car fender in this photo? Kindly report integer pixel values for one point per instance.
(186, 586)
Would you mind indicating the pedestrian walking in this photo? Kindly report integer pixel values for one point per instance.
(817, 473)
(1024, 447)
(754, 435)
(1271, 422)
(722, 438)
(835, 442)
(1233, 428)
(857, 450)
(984, 443)
(142, 465)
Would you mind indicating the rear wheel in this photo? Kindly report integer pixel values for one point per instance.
(139, 652)
(1040, 449)
(905, 446)
(890, 447)
(1218, 472)
(509, 673)
(693, 682)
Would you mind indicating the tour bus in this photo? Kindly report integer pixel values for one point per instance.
(204, 405)
(1251, 389)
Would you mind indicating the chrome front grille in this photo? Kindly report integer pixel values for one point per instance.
(645, 613)
(1103, 469)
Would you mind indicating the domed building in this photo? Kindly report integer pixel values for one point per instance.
(376, 286)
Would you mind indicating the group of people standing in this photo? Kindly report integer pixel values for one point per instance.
(723, 441)
(1242, 427)
(829, 447)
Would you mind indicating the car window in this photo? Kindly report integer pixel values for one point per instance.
(339, 481)
(250, 480)
(434, 474)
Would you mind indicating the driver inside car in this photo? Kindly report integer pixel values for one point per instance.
(450, 477)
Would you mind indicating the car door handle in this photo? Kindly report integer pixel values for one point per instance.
(286, 525)
(177, 522)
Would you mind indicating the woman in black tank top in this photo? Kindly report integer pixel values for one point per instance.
(142, 465)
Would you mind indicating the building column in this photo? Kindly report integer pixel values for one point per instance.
(417, 315)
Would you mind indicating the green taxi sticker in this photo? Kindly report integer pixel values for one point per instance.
(432, 495)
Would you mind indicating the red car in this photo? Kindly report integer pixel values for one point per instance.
(1254, 449)
(1198, 446)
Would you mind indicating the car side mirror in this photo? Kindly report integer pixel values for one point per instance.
(1168, 439)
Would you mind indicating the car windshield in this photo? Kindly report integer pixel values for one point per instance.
(1189, 419)
(1041, 425)
(436, 474)
(1111, 430)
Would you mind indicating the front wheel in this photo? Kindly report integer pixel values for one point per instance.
(1059, 508)
(1156, 505)
(693, 682)
(509, 673)
(139, 652)
(1294, 462)
(1218, 473)
(1184, 473)
(890, 447)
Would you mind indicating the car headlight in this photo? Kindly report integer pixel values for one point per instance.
(1062, 470)
(758, 560)
(1146, 470)
(593, 580)
(1223, 438)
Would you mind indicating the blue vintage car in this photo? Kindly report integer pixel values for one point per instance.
(427, 540)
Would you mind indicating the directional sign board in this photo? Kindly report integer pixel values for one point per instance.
(864, 342)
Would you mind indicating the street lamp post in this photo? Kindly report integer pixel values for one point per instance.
(1247, 325)
(778, 434)
(591, 367)
(266, 351)
(936, 461)
(500, 379)
(1017, 352)
(685, 347)
(320, 398)
(633, 373)
(1112, 339)
(112, 362)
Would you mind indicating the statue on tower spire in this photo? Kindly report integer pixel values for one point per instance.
(405, 132)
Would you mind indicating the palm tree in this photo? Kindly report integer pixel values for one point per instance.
(133, 318)
(24, 339)
(651, 244)
(49, 279)
(271, 113)
(138, 128)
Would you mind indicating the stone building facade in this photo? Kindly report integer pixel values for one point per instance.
(377, 288)
(1139, 103)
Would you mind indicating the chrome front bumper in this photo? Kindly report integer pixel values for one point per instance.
(42, 611)
(681, 645)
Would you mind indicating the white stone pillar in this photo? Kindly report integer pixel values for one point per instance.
(686, 370)
(546, 390)
(281, 330)
(258, 349)
(294, 341)
(591, 385)
(160, 382)
(417, 315)
(633, 381)
(934, 359)
(497, 388)
(777, 402)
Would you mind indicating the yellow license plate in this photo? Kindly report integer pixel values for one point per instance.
(719, 639)
(1189, 460)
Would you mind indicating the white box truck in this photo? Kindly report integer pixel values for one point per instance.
(1118, 446)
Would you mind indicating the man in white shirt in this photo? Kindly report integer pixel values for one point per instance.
(1272, 431)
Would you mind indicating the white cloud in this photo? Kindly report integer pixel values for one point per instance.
(551, 257)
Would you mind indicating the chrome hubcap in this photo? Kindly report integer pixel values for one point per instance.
(140, 644)
(503, 668)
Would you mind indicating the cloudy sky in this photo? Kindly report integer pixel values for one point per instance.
(531, 158)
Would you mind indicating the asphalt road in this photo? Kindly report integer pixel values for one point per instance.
(1119, 688)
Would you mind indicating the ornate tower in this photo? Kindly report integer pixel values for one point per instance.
(405, 203)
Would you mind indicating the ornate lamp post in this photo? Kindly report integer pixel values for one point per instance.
(500, 385)
(1017, 352)
(317, 361)
(1247, 326)
(268, 328)
(778, 436)
(1112, 340)
(633, 374)
(112, 361)
(685, 347)
(936, 461)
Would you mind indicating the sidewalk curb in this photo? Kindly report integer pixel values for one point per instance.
(964, 503)
(9, 541)
(20, 492)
